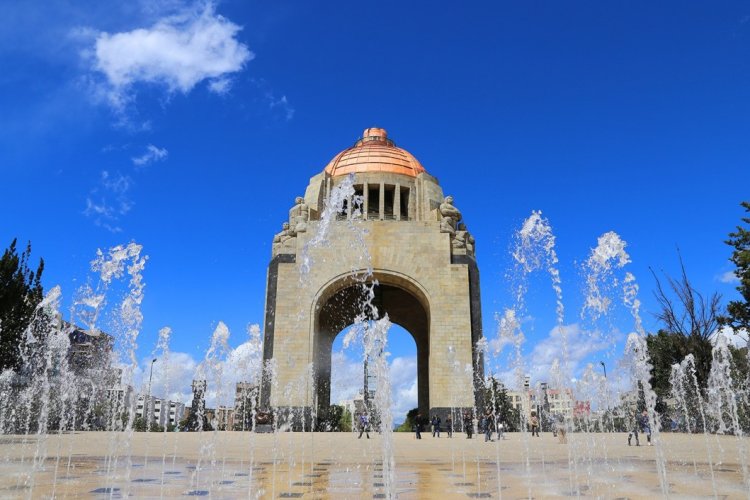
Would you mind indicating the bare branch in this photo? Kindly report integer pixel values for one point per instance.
(689, 313)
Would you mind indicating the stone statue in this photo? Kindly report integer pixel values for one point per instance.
(299, 214)
(263, 417)
(470, 244)
(281, 239)
(463, 239)
(450, 216)
(459, 239)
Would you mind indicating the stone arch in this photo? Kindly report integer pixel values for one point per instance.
(340, 300)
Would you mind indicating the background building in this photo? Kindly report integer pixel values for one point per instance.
(245, 405)
(176, 412)
(224, 418)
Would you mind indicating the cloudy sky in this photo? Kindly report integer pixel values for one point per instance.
(190, 126)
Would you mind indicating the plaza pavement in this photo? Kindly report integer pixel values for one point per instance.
(339, 465)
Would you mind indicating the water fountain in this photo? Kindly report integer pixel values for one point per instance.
(57, 440)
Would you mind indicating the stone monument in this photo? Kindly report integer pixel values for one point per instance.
(423, 260)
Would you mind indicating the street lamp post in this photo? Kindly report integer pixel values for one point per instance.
(148, 397)
(606, 388)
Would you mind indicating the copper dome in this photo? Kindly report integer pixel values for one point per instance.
(374, 152)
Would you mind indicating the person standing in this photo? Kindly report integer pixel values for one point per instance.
(436, 425)
(560, 428)
(488, 426)
(449, 426)
(634, 424)
(364, 425)
(534, 424)
(645, 426)
(418, 426)
(468, 425)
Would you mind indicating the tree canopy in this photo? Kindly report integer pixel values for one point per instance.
(689, 319)
(738, 311)
(496, 397)
(20, 292)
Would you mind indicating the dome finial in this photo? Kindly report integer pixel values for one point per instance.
(375, 133)
(374, 152)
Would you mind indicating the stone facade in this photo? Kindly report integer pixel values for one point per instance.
(410, 236)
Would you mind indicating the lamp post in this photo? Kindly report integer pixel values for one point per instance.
(148, 397)
(606, 389)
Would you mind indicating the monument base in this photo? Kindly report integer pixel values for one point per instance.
(457, 413)
(294, 418)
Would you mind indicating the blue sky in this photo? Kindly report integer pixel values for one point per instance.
(190, 127)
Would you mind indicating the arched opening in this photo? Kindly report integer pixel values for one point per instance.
(339, 306)
(348, 373)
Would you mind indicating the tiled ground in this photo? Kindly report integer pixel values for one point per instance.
(235, 465)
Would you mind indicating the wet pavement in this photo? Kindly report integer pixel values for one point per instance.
(239, 465)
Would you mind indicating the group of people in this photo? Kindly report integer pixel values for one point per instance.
(489, 424)
(436, 424)
(643, 425)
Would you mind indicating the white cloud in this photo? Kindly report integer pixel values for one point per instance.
(220, 86)
(281, 104)
(177, 52)
(151, 155)
(347, 379)
(403, 372)
(108, 201)
(581, 345)
(280, 107)
(117, 184)
(728, 277)
(174, 373)
(172, 377)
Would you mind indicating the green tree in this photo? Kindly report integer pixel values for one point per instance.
(410, 422)
(329, 419)
(345, 422)
(154, 427)
(139, 424)
(738, 311)
(496, 397)
(20, 292)
(689, 320)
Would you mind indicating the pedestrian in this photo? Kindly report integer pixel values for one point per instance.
(436, 425)
(634, 424)
(449, 426)
(645, 425)
(560, 428)
(500, 428)
(488, 427)
(364, 425)
(468, 425)
(534, 424)
(418, 426)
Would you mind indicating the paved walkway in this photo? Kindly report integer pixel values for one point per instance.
(338, 465)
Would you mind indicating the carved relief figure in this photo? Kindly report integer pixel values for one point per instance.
(450, 216)
(299, 214)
